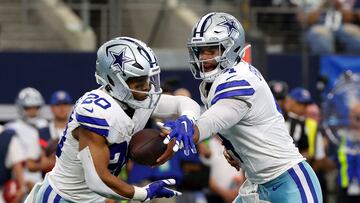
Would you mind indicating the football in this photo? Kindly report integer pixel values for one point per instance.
(146, 146)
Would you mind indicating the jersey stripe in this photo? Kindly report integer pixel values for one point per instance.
(91, 120)
(103, 132)
(233, 93)
(230, 84)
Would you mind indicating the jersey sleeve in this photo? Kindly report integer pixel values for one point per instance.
(15, 153)
(93, 118)
(232, 87)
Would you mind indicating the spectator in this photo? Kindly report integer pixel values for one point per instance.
(295, 106)
(60, 105)
(318, 143)
(348, 159)
(280, 90)
(329, 22)
(29, 101)
(11, 158)
(224, 180)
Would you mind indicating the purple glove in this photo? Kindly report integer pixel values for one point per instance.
(183, 129)
(157, 189)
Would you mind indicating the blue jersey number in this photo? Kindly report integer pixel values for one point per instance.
(63, 137)
(277, 106)
(99, 101)
(256, 72)
(117, 157)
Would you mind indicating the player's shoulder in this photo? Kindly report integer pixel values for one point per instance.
(235, 73)
(99, 112)
(16, 124)
(94, 108)
(236, 82)
(95, 103)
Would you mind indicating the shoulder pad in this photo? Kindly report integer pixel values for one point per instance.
(232, 85)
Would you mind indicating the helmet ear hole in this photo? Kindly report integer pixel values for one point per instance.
(237, 49)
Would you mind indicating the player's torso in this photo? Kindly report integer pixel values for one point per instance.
(29, 139)
(100, 113)
(260, 139)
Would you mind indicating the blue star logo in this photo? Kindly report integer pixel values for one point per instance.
(119, 59)
(229, 24)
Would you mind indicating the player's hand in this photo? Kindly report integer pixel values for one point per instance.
(182, 129)
(167, 154)
(158, 189)
(234, 163)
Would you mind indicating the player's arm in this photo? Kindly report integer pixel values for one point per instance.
(98, 177)
(43, 164)
(94, 155)
(18, 172)
(222, 115)
(15, 159)
(170, 106)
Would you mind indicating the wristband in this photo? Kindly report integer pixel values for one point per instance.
(140, 194)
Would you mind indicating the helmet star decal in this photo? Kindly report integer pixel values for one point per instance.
(119, 59)
(229, 24)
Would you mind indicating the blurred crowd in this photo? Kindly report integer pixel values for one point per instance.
(331, 148)
(324, 26)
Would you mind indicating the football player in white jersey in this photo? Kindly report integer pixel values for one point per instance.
(93, 148)
(241, 109)
(29, 102)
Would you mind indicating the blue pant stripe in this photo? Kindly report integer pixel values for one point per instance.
(308, 180)
(298, 183)
(47, 194)
(57, 198)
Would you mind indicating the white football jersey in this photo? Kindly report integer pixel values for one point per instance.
(99, 113)
(260, 139)
(29, 139)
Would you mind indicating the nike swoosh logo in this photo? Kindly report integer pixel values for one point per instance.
(230, 77)
(185, 124)
(275, 187)
(89, 110)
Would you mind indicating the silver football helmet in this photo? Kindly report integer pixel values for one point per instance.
(223, 31)
(29, 97)
(122, 58)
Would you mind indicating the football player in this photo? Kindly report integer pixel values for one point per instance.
(29, 102)
(93, 148)
(243, 112)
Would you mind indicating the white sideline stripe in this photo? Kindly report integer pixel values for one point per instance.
(304, 183)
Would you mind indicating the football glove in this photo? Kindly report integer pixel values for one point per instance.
(156, 189)
(182, 129)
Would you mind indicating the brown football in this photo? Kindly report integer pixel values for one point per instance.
(146, 146)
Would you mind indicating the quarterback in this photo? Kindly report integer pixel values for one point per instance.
(242, 111)
(93, 148)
